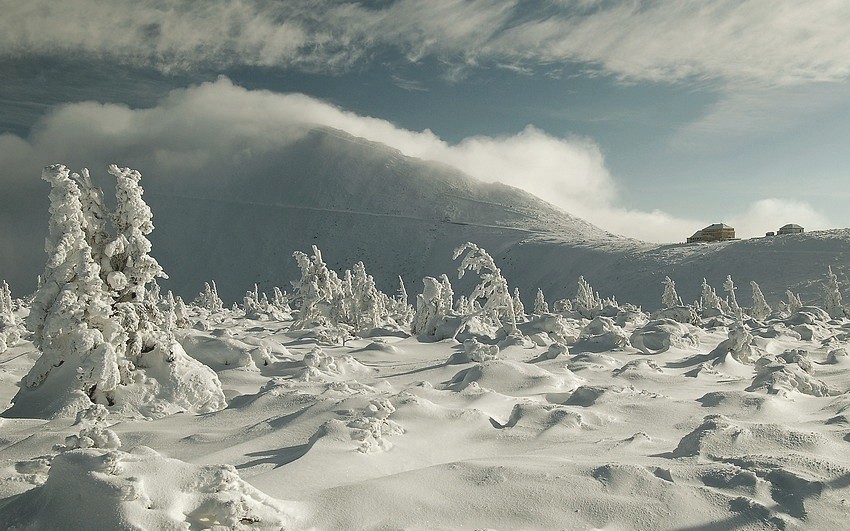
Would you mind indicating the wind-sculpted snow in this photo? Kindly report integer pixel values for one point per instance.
(323, 435)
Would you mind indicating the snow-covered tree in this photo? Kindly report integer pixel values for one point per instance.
(670, 299)
(401, 310)
(709, 302)
(794, 303)
(832, 296)
(760, 308)
(492, 288)
(368, 305)
(71, 316)
(540, 304)
(463, 306)
(519, 307)
(588, 303)
(101, 340)
(316, 289)
(729, 287)
(10, 326)
(431, 307)
(209, 299)
(131, 268)
(281, 301)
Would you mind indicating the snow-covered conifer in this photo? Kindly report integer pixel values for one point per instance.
(492, 289)
(97, 333)
(209, 299)
(431, 309)
(729, 287)
(540, 304)
(368, 306)
(10, 326)
(832, 296)
(316, 289)
(794, 303)
(71, 312)
(588, 302)
(401, 310)
(519, 307)
(670, 299)
(760, 308)
(709, 302)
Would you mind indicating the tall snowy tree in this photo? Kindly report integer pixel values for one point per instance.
(670, 299)
(540, 304)
(729, 287)
(317, 287)
(432, 307)
(794, 303)
(519, 307)
(98, 335)
(760, 308)
(492, 288)
(71, 314)
(588, 303)
(709, 302)
(832, 295)
(10, 326)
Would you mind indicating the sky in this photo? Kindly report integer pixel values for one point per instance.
(648, 118)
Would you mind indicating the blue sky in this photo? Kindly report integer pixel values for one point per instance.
(649, 118)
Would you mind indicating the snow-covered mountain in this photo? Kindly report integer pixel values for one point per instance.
(359, 200)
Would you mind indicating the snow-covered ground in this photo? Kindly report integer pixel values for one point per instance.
(400, 432)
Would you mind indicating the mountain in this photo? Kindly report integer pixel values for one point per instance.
(360, 200)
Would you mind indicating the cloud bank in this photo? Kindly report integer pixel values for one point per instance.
(761, 42)
(218, 123)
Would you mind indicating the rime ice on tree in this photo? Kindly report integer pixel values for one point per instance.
(101, 341)
(493, 288)
(832, 296)
(540, 304)
(760, 308)
(670, 299)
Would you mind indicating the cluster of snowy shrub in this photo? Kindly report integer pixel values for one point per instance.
(107, 335)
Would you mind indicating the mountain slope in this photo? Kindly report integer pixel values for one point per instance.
(356, 200)
(359, 200)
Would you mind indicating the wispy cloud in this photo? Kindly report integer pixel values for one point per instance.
(744, 42)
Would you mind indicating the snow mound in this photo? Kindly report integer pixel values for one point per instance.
(319, 365)
(680, 314)
(479, 352)
(658, 336)
(638, 368)
(141, 489)
(514, 378)
(786, 374)
(557, 328)
(720, 436)
(221, 352)
(164, 382)
(600, 335)
(540, 418)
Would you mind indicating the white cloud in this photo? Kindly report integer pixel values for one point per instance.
(769, 214)
(212, 125)
(762, 42)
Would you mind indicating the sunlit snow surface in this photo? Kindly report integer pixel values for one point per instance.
(387, 432)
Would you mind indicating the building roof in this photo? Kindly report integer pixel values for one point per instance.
(697, 234)
(715, 226)
(791, 226)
